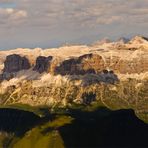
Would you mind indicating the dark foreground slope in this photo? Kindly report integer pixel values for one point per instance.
(105, 128)
(17, 121)
(74, 128)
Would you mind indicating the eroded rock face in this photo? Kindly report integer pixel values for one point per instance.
(94, 64)
(15, 63)
(136, 65)
(42, 64)
(108, 77)
(138, 40)
(86, 64)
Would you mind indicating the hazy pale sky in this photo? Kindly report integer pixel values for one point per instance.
(50, 23)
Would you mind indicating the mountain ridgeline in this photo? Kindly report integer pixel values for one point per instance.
(75, 96)
(113, 73)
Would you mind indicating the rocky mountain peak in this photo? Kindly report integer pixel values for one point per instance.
(42, 64)
(139, 40)
(15, 63)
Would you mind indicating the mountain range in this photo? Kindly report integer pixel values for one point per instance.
(115, 73)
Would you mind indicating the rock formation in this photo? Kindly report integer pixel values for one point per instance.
(42, 64)
(15, 63)
(129, 58)
(86, 64)
(138, 40)
(115, 75)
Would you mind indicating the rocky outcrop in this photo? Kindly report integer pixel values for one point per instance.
(108, 77)
(86, 64)
(15, 63)
(42, 64)
(126, 94)
(92, 63)
(85, 80)
(95, 63)
(122, 58)
(123, 66)
(138, 40)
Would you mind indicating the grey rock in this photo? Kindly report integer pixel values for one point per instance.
(15, 63)
(42, 64)
(85, 64)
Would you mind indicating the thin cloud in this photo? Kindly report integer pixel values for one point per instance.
(63, 20)
(77, 12)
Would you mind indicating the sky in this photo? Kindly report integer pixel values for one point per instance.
(52, 23)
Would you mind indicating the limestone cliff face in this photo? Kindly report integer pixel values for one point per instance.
(121, 57)
(15, 63)
(95, 63)
(131, 66)
(86, 64)
(126, 94)
(42, 64)
(92, 63)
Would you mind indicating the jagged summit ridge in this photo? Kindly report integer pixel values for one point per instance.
(125, 58)
(139, 40)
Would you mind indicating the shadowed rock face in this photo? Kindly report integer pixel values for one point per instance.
(94, 64)
(42, 64)
(91, 63)
(15, 63)
(105, 76)
(86, 64)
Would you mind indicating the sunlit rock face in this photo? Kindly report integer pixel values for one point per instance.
(131, 66)
(42, 64)
(95, 63)
(86, 64)
(138, 40)
(121, 57)
(15, 63)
